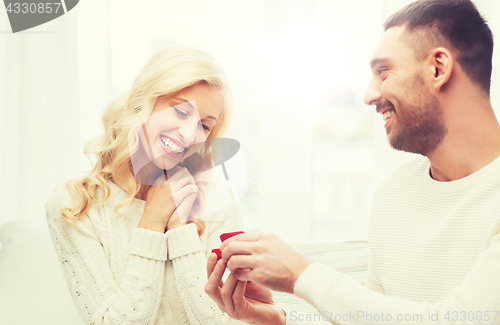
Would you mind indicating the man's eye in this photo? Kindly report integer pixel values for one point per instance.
(380, 71)
(179, 112)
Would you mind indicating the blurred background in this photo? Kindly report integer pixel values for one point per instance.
(313, 151)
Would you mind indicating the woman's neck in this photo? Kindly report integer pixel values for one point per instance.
(148, 175)
(146, 178)
(143, 191)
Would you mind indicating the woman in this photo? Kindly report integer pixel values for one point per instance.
(128, 236)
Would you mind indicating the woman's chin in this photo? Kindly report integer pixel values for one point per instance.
(165, 163)
(148, 174)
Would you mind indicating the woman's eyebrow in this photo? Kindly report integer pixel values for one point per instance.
(180, 99)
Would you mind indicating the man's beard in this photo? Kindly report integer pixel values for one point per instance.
(418, 129)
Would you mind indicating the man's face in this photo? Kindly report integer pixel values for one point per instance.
(412, 113)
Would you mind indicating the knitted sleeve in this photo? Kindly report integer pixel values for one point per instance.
(189, 260)
(372, 278)
(477, 297)
(98, 298)
(294, 317)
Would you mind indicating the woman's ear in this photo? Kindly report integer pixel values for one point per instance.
(441, 63)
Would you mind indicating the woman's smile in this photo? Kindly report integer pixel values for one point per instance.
(170, 147)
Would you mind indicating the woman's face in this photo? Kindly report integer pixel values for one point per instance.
(180, 124)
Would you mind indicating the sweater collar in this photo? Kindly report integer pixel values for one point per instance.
(118, 195)
(464, 182)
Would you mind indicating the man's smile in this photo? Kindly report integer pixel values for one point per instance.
(387, 114)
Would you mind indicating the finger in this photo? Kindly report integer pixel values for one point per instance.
(241, 262)
(227, 293)
(242, 237)
(245, 275)
(190, 198)
(184, 208)
(184, 192)
(212, 287)
(177, 184)
(184, 204)
(239, 296)
(211, 261)
(238, 248)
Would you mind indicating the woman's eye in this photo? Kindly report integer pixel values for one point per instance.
(203, 126)
(179, 112)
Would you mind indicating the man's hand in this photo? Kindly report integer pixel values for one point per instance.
(264, 259)
(241, 300)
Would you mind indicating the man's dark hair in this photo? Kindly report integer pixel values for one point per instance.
(454, 24)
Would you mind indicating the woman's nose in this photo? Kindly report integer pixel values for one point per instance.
(187, 131)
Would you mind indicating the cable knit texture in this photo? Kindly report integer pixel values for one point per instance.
(434, 248)
(120, 274)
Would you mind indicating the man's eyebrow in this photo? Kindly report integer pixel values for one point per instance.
(376, 61)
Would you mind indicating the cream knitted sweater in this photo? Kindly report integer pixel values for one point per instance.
(120, 274)
(434, 255)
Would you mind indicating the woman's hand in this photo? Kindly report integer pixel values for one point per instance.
(241, 300)
(180, 216)
(169, 202)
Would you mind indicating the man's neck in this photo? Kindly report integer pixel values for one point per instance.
(465, 150)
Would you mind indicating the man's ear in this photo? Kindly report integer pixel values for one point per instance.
(441, 63)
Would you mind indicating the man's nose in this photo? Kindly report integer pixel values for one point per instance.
(372, 96)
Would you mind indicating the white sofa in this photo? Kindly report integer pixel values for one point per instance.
(33, 289)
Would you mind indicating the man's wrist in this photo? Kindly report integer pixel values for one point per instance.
(303, 265)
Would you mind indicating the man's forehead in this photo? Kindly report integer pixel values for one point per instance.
(389, 46)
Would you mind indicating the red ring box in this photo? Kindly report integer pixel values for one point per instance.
(228, 235)
(218, 252)
(223, 237)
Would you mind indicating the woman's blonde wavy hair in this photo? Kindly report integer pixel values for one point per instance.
(167, 72)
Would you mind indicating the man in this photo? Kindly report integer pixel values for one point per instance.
(434, 226)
